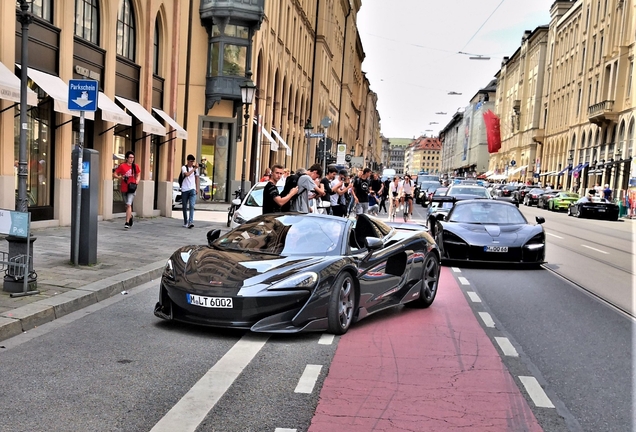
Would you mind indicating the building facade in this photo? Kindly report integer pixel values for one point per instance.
(425, 155)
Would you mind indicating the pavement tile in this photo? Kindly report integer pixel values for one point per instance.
(125, 259)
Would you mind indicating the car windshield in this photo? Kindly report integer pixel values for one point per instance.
(467, 190)
(285, 235)
(440, 191)
(442, 205)
(537, 191)
(421, 178)
(255, 198)
(429, 186)
(486, 212)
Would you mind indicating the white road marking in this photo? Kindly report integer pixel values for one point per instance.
(535, 391)
(506, 347)
(308, 379)
(456, 270)
(473, 296)
(190, 411)
(487, 319)
(284, 430)
(326, 339)
(554, 235)
(463, 280)
(594, 249)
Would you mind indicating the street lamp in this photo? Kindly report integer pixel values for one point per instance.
(248, 89)
(308, 131)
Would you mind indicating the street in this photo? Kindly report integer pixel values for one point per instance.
(500, 349)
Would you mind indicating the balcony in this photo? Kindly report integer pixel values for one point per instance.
(538, 135)
(602, 112)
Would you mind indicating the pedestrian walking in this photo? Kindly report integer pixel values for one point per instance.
(385, 194)
(607, 193)
(339, 187)
(272, 201)
(129, 174)
(326, 182)
(307, 185)
(189, 188)
(360, 192)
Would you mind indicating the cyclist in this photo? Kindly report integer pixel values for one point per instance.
(407, 199)
(395, 190)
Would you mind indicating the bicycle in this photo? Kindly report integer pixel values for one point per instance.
(238, 194)
(393, 208)
(408, 202)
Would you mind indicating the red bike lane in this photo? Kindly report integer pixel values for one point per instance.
(421, 370)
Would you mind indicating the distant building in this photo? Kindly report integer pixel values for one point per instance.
(396, 154)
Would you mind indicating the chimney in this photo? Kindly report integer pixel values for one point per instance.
(526, 35)
(504, 61)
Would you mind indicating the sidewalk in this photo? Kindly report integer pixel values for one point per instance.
(125, 258)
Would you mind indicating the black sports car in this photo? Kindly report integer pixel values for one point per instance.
(542, 202)
(289, 272)
(532, 196)
(594, 207)
(490, 231)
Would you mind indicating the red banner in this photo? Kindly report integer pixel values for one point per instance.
(493, 133)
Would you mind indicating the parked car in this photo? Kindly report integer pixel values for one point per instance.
(251, 206)
(176, 194)
(490, 231)
(290, 272)
(562, 200)
(507, 190)
(532, 197)
(542, 202)
(594, 207)
(423, 190)
(520, 193)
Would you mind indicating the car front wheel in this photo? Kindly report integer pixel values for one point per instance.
(430, 282)
(342, 303)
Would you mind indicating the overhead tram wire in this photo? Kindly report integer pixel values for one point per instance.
(482, 26)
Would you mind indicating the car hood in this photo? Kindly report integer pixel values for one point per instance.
(204, 265)
(508, 235)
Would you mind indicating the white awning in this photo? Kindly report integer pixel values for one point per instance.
(272, 141)
(181, 132)
(497, 177)
(57, 90)
(516, 170)
(10, 87)
(489, 173)
(150, 124)
(111, 111)
(288, 151)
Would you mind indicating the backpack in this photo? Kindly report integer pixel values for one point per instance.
(181, 177)
(290, 183)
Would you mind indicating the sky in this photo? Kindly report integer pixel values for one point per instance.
(412, 59)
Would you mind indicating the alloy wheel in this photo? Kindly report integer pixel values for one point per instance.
(345, 309)
(431, 278)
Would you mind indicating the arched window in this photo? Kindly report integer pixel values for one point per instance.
(156, 52)
(87, 20)
(42, 9)
(621, 140)
(126, 31)
(630, 140)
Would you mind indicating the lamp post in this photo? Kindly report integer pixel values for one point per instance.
(308, 130)
(248, 89)
(570, 162)
(25, 18)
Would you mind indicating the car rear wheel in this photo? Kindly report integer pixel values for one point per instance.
(342, 305)
(430, 282)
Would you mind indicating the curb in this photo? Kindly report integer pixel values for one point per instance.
(27, 317)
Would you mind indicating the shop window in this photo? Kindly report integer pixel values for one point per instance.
(126, 31)
(86, 20)
(215, 139)
(228, 50)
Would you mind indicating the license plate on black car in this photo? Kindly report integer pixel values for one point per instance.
(495, 248)
(210, 302)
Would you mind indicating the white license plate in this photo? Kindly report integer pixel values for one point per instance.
(495, 248)
(210, 302)
(601, 210)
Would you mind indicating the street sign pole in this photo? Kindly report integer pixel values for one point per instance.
(82, 97)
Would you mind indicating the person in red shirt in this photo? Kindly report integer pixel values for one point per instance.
(129, 173)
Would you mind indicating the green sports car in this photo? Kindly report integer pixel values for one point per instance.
(562, 201)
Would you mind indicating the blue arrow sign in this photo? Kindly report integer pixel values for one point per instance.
(82, 95)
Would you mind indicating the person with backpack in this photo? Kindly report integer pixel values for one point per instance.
(305, 180)
(272, 201)
(189, 181)
(129, 173)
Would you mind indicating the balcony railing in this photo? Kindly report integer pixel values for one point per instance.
(602, 112)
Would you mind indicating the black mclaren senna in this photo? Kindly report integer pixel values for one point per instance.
(489, 231)
(288, 272)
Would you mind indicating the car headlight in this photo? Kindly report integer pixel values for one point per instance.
(168, 270)
(536, 242)
(238, 219)
(303, 280)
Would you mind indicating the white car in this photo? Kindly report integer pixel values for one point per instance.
(251, 206)
(176, 194)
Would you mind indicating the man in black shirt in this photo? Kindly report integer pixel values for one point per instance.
(332, 171)
(272, 201)
(360, 192)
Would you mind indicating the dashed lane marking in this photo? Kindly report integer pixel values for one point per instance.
(326, 339)
(456, 269)
(473, 296)
(190, 411)
(506, 347)
(308, 379)
(554, 235)
(536, 392)
(463, 280)
(284, 430)
(594, 249)
(487, 319)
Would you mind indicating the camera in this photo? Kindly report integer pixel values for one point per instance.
(201, 165)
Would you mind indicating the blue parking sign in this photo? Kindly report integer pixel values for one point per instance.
(82, 95)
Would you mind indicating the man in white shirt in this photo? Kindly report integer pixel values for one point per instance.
(189, 188)
(407, 189)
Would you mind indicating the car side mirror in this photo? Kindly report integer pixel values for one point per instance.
(373, 244)
(213, 235)
(236, 202)
(540, 220)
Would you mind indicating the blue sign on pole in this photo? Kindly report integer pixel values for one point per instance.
(82, 95)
